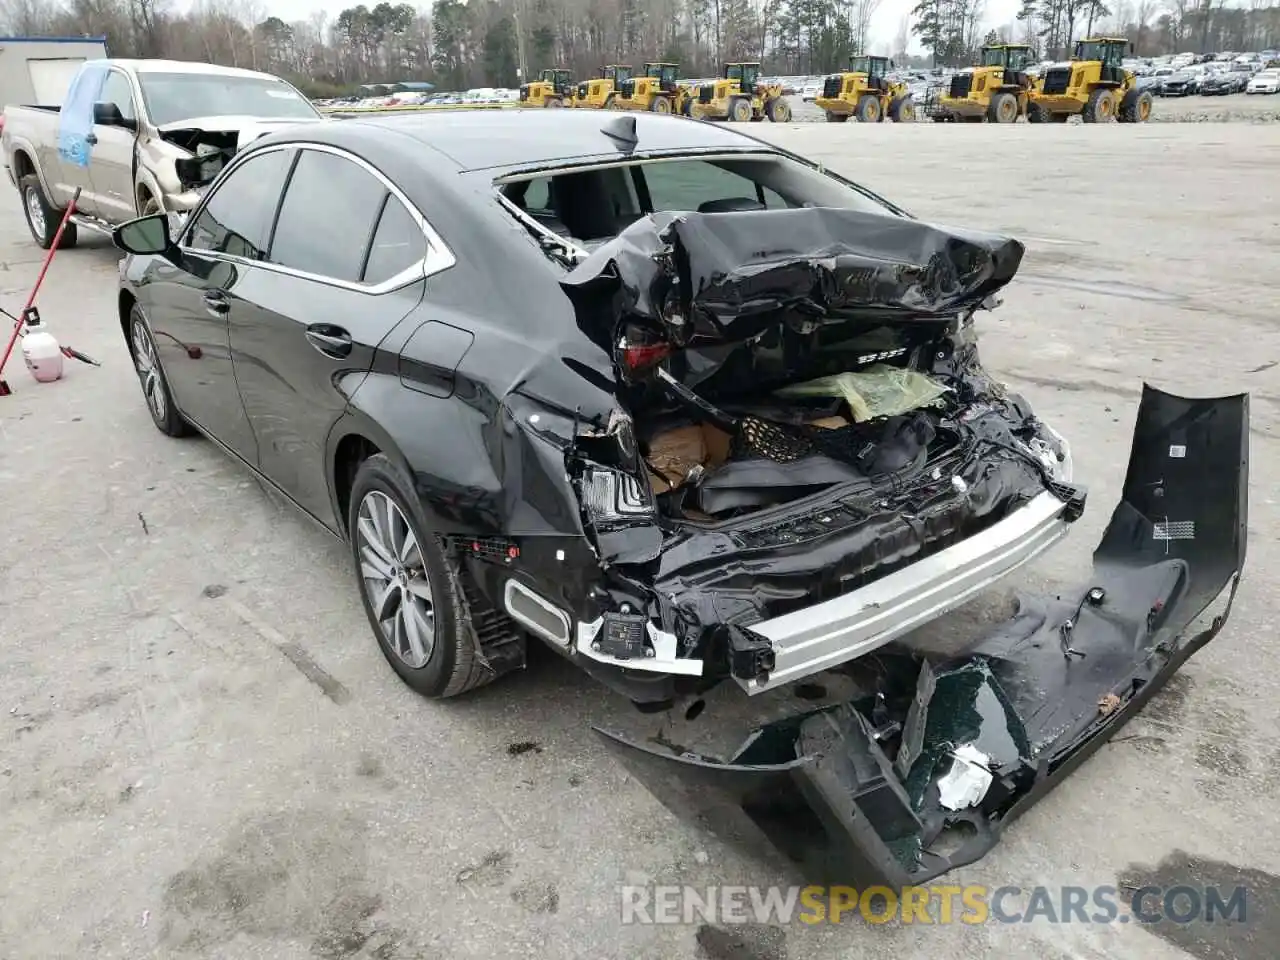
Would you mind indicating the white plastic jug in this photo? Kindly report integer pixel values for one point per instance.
(41, 351)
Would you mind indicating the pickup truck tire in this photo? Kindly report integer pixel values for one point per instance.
(42, 217)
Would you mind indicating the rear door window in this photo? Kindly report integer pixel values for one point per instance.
(397, 245)
(327, 218)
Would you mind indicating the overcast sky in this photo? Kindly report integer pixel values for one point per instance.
(883, 28)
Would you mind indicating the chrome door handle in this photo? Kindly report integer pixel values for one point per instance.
(215, 302)
(330, 340)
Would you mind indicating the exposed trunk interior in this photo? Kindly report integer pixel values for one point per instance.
(707, 472)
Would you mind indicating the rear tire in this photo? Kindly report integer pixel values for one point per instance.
(42, 217)
(445, 661)
(868, 109)
(740, 110)
(836, 117)
(1036, 114)
(1101, 106)
(660, 105)
(1003, 108)
(553, 102)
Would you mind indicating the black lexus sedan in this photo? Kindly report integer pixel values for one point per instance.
(687, 408)
(680, 404)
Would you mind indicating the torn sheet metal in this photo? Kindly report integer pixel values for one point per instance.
(861, 793)
(726, 277)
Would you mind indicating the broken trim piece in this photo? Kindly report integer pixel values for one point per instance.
(663, 644)
(827, 634)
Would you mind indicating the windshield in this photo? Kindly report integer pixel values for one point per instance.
(173, 97)
(1098, 50)
(860, 65)
(992, 57)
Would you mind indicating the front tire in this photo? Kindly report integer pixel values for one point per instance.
(660, 105)
(155, 387)
(42, 217)
(868, 109)
(778, 110)
(411, 590)
(903, 110)
(740, 110)
(836, 117)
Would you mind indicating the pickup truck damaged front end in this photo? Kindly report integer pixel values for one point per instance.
(795, 560)
(865, 792)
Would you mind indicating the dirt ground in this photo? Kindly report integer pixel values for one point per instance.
(203, 754)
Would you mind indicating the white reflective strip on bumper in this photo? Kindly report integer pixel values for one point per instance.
(835, 631)
(664, 646)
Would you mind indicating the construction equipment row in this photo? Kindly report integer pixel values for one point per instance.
(1093, 85)
(737, 95)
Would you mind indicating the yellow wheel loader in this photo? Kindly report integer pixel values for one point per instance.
(996, 90)
(596, 93)
(866, 93)
(1093, 84)
(553, 88)
(740, 96)
(657, 90)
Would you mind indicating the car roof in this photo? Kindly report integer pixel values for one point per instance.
(487, 139)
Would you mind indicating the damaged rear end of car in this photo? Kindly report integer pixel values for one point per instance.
(806, 459)
(924, 769)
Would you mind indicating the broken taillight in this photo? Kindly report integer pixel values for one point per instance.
(640, 357)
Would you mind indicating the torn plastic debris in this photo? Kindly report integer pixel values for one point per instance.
(730, 276)
(853, 794)
(968, 780)
(878, 391)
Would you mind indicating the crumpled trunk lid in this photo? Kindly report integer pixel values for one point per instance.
(726, 277)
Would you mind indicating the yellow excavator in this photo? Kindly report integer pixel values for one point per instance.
(658, 90)
(553, 88)
(865, 92)
(596, 93)
(1093, 84)
(739, 95)
(996, 90)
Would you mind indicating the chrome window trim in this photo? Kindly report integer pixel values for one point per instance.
(438, 257)
(745, 153)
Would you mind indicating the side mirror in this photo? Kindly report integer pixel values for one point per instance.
(109, 115)
(892, 65)
(1131, 46)
(145, 235)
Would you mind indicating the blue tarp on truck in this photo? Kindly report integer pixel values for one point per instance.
(75, 120)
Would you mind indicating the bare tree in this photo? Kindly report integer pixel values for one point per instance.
(861, 13)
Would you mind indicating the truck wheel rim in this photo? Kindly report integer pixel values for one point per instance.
(394, 578)
(35, 211)
(144, 361)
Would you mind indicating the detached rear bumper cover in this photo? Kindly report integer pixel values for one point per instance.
(852, 794)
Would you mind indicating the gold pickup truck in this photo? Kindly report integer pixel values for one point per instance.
(138, 137)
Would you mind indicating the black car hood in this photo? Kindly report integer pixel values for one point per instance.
(717, 277)
(855, 794)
